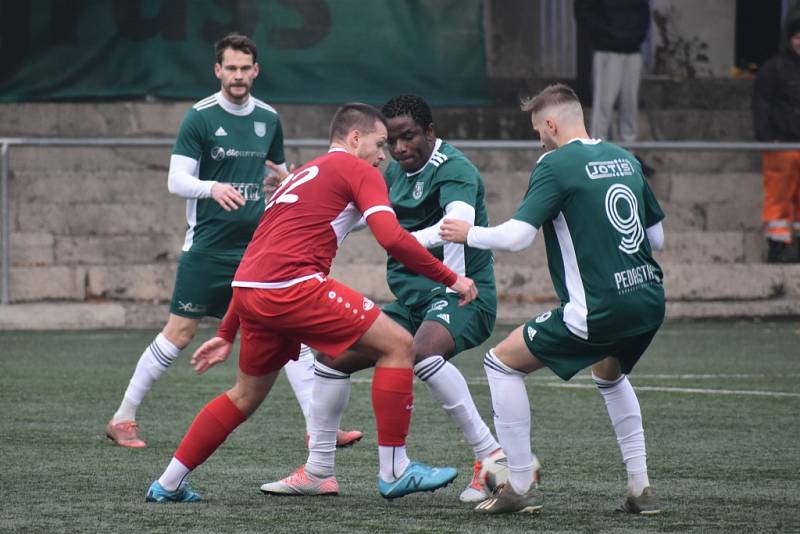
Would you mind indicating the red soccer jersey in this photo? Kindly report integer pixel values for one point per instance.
(310, 214)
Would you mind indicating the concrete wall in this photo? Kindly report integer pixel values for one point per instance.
(96, 226)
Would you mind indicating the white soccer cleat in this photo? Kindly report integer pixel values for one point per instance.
(475, 492)
(302, 483)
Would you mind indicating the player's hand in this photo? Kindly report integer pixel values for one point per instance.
(274, 176)
(227, 196)
(466, 288)
(215, 350)
(454, 230)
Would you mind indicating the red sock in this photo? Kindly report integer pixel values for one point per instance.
(392, 401)
(209, 429)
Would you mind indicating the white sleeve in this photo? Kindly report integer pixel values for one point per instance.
(512, 236)
(281, 166)
(429, 237)
(656, 236)
(183, 178)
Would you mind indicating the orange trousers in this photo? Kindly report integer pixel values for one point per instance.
(781, 211)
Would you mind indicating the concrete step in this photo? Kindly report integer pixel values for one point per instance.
(53, 315)
(126, 162)
(690, 118)
(516, 282)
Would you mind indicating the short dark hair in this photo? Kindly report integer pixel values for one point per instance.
(354, 116)
(236, 41)
(552, 95)
(409, 105)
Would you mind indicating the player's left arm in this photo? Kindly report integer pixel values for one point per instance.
(540, 204)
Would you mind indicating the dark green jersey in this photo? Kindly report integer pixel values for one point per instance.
(419, 200)
(231, 143)
(593, 204)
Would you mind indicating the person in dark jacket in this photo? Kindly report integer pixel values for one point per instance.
(618, 28)
(776, 116)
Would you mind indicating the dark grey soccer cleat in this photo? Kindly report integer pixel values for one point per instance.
(645, 504)
(505, 500)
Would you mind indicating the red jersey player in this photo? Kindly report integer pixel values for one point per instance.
(282, 296)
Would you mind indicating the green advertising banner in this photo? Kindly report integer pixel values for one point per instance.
(310, 51)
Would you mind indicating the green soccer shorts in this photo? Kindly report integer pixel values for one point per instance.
(549, 339)
(203, 284)
(469, 325)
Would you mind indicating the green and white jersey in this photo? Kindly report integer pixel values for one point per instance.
(231, 144)
(419, 199)
(593, 203)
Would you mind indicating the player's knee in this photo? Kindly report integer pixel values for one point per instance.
(180, 332)
(404, 345)
(247, 399)
(181, 337)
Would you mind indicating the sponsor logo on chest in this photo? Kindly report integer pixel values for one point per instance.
(219, 153)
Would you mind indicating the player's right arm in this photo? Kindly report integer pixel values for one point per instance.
(184, 167)
(403, 247)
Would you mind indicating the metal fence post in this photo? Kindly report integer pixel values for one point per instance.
(5, 228)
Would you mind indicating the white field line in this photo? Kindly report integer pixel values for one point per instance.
(690, 376)
(664, 389)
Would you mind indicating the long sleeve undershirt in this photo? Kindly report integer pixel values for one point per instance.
(183, 180)
(514, 235)
(429, 237)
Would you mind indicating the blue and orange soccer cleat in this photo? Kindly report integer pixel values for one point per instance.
(417, 477)
(156, 493)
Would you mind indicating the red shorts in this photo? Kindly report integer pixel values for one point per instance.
(322, 313)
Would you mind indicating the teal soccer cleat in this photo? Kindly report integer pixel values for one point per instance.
(156, 493)
(417, 477)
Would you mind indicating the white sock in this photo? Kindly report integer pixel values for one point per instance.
(626, 417)
(512, 420)
(301, 377)
(329, 399)
(393, 462)
(174, 475)
(155, 359)
(448, 387)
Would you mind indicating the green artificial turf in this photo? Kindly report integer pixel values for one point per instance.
(721, 406)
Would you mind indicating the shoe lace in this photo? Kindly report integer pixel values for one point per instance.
(476, 472)
(299, 475)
